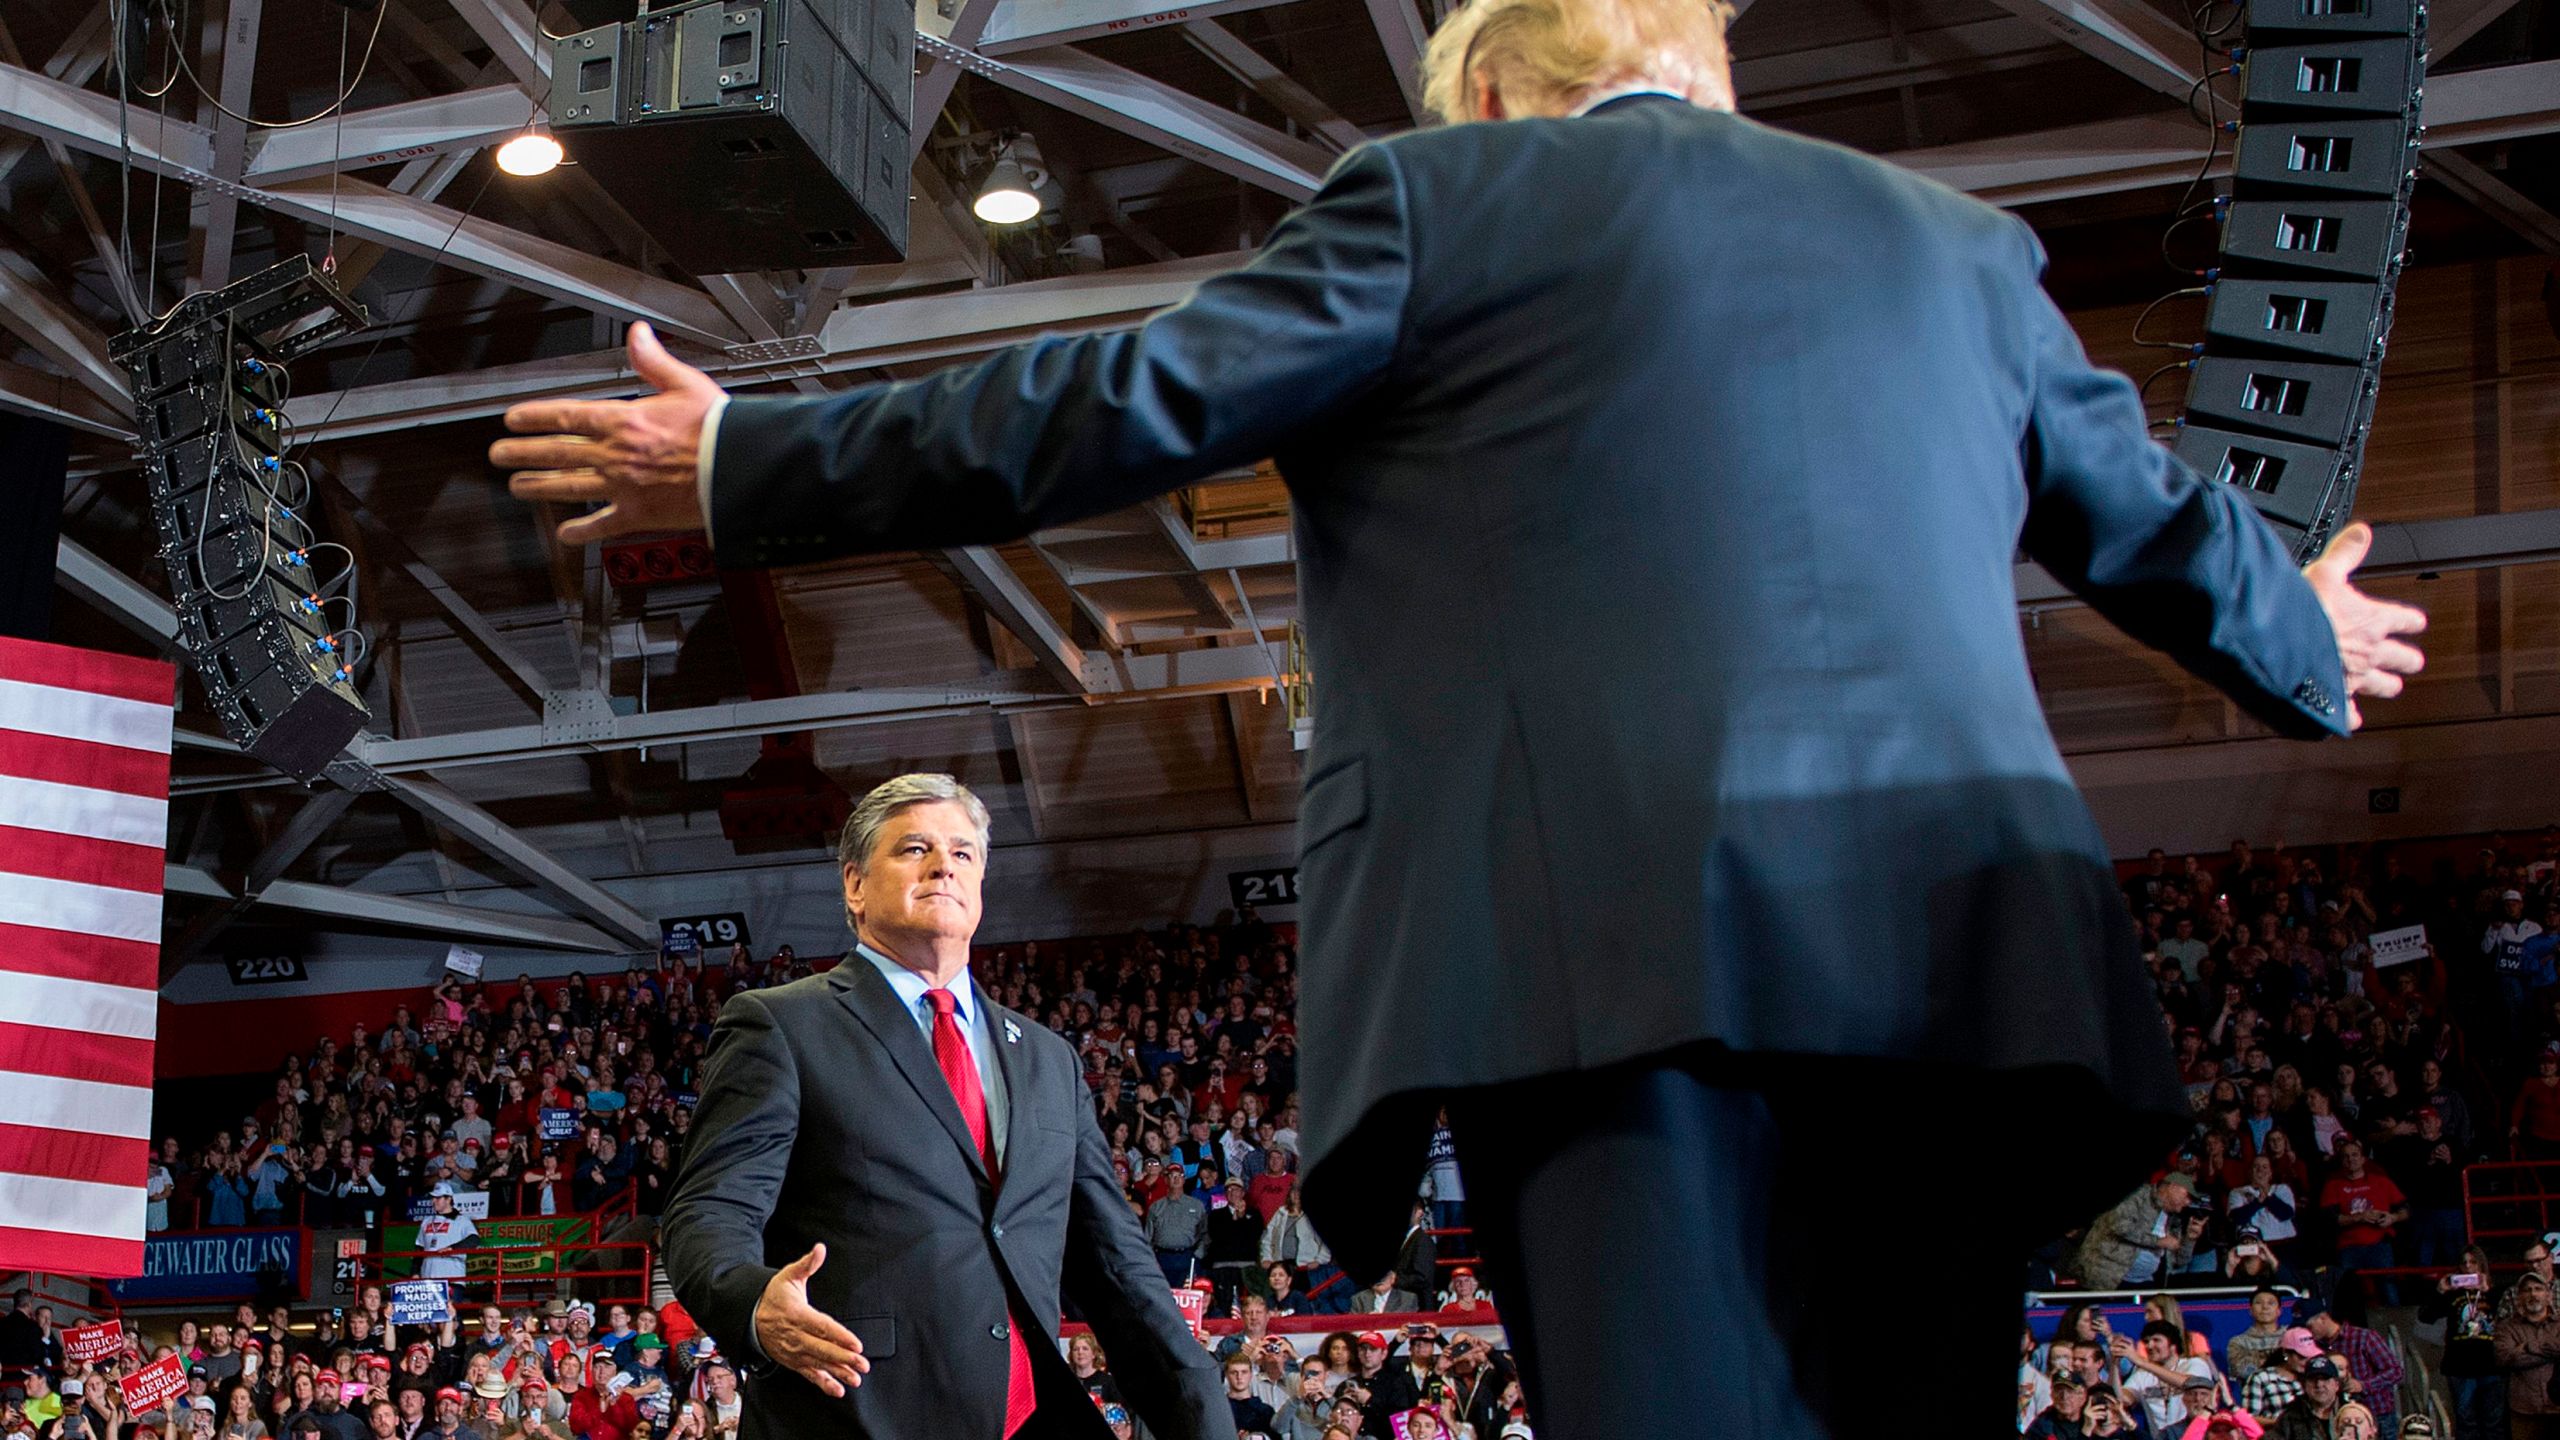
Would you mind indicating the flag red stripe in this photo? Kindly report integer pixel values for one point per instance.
(127, 677)
(52, 1253)
(83, 858)
(74, 1155)
(86, 763)
(116, 776)
(99, 959)
(74, 1055)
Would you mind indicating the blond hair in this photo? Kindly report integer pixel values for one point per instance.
(1557, 51)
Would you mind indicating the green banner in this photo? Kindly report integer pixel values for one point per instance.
(497, 1238)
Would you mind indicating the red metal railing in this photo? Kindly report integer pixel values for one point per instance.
(1441, 1239)
(2511, 1199)
(532, 1287)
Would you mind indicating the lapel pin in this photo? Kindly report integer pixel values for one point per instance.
(1012, 1033)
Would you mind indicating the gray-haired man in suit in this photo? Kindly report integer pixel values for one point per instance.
(893, 1180)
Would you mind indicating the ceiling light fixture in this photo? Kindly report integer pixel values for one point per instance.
(1017, 188)
(531, 153)
(1007, 198)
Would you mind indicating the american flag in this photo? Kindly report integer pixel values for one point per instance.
(84, 821)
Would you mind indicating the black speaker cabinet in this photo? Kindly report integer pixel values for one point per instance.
(752, 134)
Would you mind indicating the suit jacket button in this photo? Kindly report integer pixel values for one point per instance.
(996, 1230)
(1000, 1331)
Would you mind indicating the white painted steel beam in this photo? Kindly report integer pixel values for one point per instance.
(2412, 547)
(2451, 22)
(992, 582)
(364, 907)
(132, 604)
(216, 211)
(510, 31)
(860, 338)
(38, 314)
(1917, 57)
(2127, 35)
(1153, 111)
(2103, 157)
(1110, 679)
(1401, 35)
(510, 848)
(82, 55)
(2098, 158)
(958, 26)
(1019, 25)
(2495, 198)
(387, 134)
(317, 813)
(25, 390)
(80, 52)
(50, 109)
(1292, 99)
(2470, 542)
(484, 247)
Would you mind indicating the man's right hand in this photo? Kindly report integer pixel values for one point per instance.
(803, 1339)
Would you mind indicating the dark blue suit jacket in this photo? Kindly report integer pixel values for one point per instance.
(1657, 478)
(824, 1118)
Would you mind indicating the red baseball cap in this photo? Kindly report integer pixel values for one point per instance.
(1373, 1341)
(449, 1393)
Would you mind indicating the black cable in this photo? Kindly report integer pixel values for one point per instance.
(376, 348)
(338, 145)
(2156, 304)
(2143, 393)
(334, 105)
(151, 262)
(124, 140)
(2174, 227)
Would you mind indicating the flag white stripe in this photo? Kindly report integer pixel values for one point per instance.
(48, 904)
(85, 715)
(83, 811)
(50, 1102)
(58, 1003)
(72, 1207)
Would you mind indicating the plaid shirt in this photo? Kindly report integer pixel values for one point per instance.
(2370, 1360)
(2271, 1388)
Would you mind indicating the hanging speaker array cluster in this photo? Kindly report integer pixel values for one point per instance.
(210, 381)
(2280, 395)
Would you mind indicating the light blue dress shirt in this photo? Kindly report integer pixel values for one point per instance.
(970, 1012)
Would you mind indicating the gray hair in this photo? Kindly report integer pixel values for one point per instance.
(872, 814)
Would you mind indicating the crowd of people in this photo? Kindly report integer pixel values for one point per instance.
(499, 1100)
(2340, 1092)
(2341, 1088)
(562, 1372)
(556, 1372)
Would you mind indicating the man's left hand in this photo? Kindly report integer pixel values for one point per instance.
(2376, 660)
(639, 457)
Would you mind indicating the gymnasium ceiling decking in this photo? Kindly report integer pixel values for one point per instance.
(535, 723)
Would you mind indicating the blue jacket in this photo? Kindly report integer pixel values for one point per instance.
(1657, 480)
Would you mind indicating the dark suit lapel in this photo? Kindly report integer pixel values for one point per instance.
(1013, 1065)
(873, 1003)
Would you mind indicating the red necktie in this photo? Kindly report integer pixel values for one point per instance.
(961, 1074)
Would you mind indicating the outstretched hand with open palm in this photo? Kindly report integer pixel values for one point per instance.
(637, 456)
(802, 1338)
(2369, 645)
